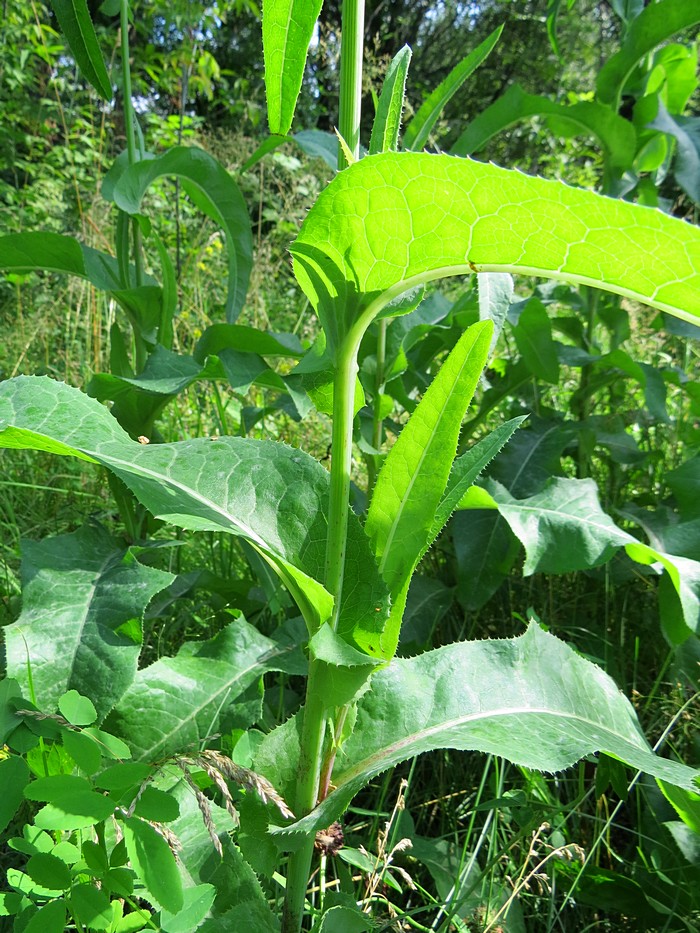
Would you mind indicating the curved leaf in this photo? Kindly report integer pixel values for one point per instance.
(287, 30)
(214, 192)
(418, 130)
(531, 699)
(74, 19)
(272, 495)
(397, 220)
(83, 598)
(175, 703)
(656, 23)
(53, 252)
(616, 135)
(387, 120)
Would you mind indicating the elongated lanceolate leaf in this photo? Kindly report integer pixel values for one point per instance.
(531, 699)
(287, 30)
(656, 23)
(270, 494)
(214, 192)
(413, 478)
(175, 703)
(616, 135)
(396, 220)
(53, 252)
(387, 120)
(418, 130)
(74, 19)
(83, 598)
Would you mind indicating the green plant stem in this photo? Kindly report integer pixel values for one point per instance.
(353, 26)
(377, 412)
(312, 745)
(129, 129)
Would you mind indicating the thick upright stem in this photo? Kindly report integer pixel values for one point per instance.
(353, 26)
(130, 131)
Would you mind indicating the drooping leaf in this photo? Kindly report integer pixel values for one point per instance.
(533, 336)
(412, 481)
(397, 220)
(154, 863)
(214, 192)
(531, 699)
(53, 252)
(495, 295)
(74, 19)
(616, 135)
(563, 527)
(212, 484)
(175, 703)
(419, 129)
(656, 23)
(387, 120)
(287, 31)
(84, 596)
(686, 132)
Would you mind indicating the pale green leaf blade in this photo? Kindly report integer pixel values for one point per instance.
(414, 475)
(563, 528)
(74, 19)
(37, 251)
(287, 30)
(616, 135)
(84, 596)
(387, 120)
(495, 292)
(419, 129)
(154, 863)
(656, 23)
(214, 192)
(531, 699)
(176, 702)
(212, 484)
(467, 468)
(445, 216)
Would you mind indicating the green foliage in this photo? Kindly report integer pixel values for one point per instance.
(87, 688)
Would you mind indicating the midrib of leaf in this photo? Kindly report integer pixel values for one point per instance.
(283, 69)
(559, 513)
(258, 662)
(424, 453)
(380, 757)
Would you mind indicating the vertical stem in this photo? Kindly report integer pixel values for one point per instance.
(352, 34)
(377, 413)
(130, 131)
(311, 755)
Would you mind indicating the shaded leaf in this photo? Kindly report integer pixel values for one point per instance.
(14, 777)
(84, 595)
(74, 19)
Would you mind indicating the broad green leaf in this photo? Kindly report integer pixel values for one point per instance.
(684, 483)
(51, 918)
(616, 135)
(686, 804)
(287, 31)
(213, 484)
(419, 129)
(319, 145)
(387, 120)
(49, 871)
(684, 574)
(563, 527)
(14, 777)
(196, 904)
(214, 192)
(175, 703)
(415, 473)
(686, 132)
(74, 19)
(340, 919)
(240, 902)
(54, 252)
(77, 709)
(245, 339)
(71, 803)
(154, 863)
(84, 595)
(485, 551)
(397, 220)
(531, 699)
(656, 23)
(533, 336)
(91, 906)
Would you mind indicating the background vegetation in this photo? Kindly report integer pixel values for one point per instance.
(608, 387)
